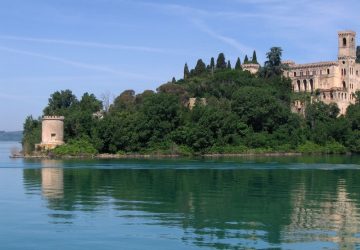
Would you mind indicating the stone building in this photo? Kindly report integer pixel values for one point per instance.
(52, 134)
(192, 102)
(253, 68)
(333, 82)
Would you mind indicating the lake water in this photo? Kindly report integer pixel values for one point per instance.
(244, 203)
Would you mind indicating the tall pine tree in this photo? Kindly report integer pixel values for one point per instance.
(238, 64)
(200, 67)
(220, 62)
(254, 58)
(212, 63)
(246, 60)
(228, 66)
(186, 71)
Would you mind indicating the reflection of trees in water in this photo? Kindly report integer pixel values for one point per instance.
(223, 208)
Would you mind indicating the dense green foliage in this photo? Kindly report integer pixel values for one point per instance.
(358, 54)
(243, 113)
(31, 134)
(80, 147)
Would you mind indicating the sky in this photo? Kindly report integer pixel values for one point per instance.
(108, 46)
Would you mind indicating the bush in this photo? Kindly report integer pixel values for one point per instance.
(329, 148)
(80, 147)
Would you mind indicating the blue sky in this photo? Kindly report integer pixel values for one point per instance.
(107, 46)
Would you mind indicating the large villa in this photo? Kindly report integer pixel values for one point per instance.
(335, 81)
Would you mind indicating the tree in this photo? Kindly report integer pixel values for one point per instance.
(173, 80)
(228, 65)
(186, 71)
(238, 64)
(90, 103)
(358, 54)
(254, 58)
(259, 108)
(220, 62)
(246, 60)
(200, 67)
(172, 88)
(59, 102)
(212, 63)
(106, 100)
(273, 66)
(124, 101)
(31, 134)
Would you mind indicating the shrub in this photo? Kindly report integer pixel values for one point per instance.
(80, 147)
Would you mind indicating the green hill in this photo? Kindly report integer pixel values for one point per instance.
(242, 113)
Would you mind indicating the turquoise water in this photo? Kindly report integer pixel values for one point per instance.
(246, 203)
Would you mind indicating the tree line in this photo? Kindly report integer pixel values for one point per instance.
(244, 112)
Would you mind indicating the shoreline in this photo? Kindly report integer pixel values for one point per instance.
(173, 156)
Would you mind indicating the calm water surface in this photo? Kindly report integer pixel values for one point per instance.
(279, 203)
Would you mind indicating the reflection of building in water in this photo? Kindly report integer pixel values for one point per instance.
(312, 220)
(52, 179)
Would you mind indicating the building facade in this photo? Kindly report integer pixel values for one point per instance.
(333, 82)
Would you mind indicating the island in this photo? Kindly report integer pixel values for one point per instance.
(216, 109)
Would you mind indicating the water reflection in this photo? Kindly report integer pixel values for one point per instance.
(336, 213)
(222, 209)
(52, 179)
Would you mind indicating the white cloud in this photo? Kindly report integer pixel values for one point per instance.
(226, 39)
(86, 44)
(75, 63)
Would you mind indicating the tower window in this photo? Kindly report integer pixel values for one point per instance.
(328, 71)
(344, 41)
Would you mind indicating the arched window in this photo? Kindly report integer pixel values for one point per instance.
(294, 73)
(311, 85)
(324, 96)
(344, 41)
(344, 84)
(298, 85)
(328, 71)
(344, 72)
(305, 85)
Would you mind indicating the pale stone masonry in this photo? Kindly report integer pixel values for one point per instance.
(253, 68)
(52, 133)
(335, 82)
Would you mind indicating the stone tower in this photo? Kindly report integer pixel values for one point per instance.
(52, 134)
(347, 48)
(347, 61)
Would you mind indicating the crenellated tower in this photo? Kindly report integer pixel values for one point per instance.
(347, 45)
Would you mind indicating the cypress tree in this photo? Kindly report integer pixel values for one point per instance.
(186, 71)
(228, 65)
(238, 64)
(246, 60)
(220, 62)
(212, 63)
(200, 67)
(173, 80)
(358, 54)
(254, 58)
